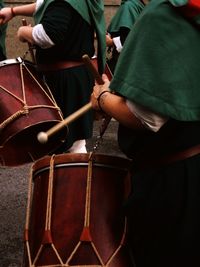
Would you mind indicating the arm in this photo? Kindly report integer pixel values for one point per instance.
(114, 105)
(109, 40)
(7, 13)
(47, 34)
(127, 112)
(24, 34)
(115, 41)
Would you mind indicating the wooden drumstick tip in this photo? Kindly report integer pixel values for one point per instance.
(42, 137)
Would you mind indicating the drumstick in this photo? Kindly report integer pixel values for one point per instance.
(92, 69)
(24, 23)
(44, 136)
(97, 76)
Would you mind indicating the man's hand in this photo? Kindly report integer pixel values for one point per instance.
(6, 14)
(24, 34)
(98, 90)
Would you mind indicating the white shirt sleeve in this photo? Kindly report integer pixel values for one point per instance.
(38, 4)
(151, 120)
(118, 44)
(41, 38)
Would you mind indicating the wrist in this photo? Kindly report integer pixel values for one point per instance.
(12, 12)
(100, 97)
(111, 42)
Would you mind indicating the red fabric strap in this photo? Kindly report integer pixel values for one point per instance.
(191, 9)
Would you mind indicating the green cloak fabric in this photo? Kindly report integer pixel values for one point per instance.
(178, 2)
(91, 11)
(2, 33)
(126, 15)
(159, 64)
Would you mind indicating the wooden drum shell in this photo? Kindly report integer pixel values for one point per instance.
(72, 224)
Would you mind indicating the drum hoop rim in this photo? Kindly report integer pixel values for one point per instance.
(79, 164)
(10, 61)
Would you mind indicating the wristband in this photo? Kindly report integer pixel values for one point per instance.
(99, 97)
(12, 12)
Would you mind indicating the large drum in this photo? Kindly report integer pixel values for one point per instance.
(26, 108)
(75, 212)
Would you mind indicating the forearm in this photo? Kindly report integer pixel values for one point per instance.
(24, 10)
(8, 13)
(116, 107)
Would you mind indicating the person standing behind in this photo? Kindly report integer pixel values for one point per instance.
(2, 38)
(120, 26)
(64, 31)
(157, 102)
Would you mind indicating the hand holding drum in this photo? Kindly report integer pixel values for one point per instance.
(44, 136)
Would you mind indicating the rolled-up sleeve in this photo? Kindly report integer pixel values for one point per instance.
(151, 120)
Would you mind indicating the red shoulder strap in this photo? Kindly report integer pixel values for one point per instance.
(191, 9)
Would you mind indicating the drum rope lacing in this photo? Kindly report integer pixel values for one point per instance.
(25, 107)
(85, 236)
(31, 52)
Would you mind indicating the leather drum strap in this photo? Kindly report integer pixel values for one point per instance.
(59, 65)
(168, 159)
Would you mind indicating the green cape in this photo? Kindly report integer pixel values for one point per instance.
(159, 64)
(2, 33)
(178, 2)
(126, 15)
(92, 11)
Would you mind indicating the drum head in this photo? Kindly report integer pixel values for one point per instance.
(24, 147)
(27, 107)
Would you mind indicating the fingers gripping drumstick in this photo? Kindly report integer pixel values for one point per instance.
(43, 136)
